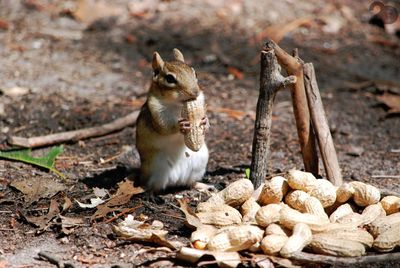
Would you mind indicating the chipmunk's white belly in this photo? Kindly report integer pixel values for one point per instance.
(177, 165)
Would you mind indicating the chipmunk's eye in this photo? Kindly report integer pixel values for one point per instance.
(170, 79)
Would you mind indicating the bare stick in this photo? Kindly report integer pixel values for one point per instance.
(293, 66)
(75, 135)
(322, 259)
(321, 127)
(271, 80)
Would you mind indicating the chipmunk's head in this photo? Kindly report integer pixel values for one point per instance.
(175, 79)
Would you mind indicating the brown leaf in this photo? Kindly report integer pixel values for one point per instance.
(67, 203)
(43, 221)
(88, 11)
(392, 101)
(125, 191)
(39, 188)
(68, 224)
(223, 259)
(281, 262)
(192, 220)
(134, 230)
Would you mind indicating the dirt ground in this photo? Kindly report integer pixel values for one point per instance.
(76, 70)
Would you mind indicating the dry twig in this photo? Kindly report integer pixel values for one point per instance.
(322, 259)
(271, 80)
(75, 135)
(293, 66)
(321, 127)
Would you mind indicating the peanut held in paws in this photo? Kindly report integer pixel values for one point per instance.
(194, 112)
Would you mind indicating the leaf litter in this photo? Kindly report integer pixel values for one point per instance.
(34, 190)
(134, 230)
(125, 191)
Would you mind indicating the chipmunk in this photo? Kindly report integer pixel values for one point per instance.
(165, 159)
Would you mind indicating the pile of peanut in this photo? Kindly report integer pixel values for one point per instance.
(297, 211)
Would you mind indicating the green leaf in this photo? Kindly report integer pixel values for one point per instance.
(247, 172)
(24, 155)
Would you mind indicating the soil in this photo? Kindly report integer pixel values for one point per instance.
(84, 74)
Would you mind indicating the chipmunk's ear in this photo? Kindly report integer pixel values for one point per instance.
(178, 55)
(157, 62)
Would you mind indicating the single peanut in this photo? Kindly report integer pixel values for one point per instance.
(325, 191)
(391, 204)
(365, 194)
(300, 180)
(328, 244)
(235, 194)
(202, 236)
(357, 234)
(249, 210)
(340, 212)
(194, 111)
(268, 214)
(296, 199)
(290, 217)
(273, 243)
(384, 223)
(236, 238)
(226, 216)
(344, 192)
(274, 228)
(387, 240)
(300, 238)
(273, 191)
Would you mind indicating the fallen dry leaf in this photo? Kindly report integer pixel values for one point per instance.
(94, 202)
(68, 224)
(39, 188)
(392, 101)
(89, 11)
(100, 192)
(223, 259)
(133, 230)
(125, 191)
(43, 221)
(192, 221)
(67, 203)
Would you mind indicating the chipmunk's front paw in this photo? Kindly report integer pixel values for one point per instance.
(184, 125)
(205, 123)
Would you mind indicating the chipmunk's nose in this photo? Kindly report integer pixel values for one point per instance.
(193, 93)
